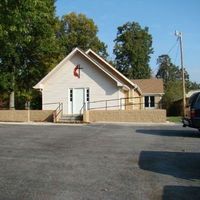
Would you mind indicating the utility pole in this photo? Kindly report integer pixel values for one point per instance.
(179, 35)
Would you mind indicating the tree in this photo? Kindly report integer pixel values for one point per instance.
(168, 71)
(133, 46)
(172, 78)
(28, 43)
(171, 75)
(190, 85)
(76, 30)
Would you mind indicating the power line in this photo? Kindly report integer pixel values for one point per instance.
(154, 71)
(172, 47)
(177, 50)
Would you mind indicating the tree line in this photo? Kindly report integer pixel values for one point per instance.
(33, 40)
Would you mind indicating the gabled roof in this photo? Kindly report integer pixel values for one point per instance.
(150, 86)
(126, 83)
(41, 83)
(111, 69)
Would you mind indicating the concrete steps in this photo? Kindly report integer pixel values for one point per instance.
(71, 119)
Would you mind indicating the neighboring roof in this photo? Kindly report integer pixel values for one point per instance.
(188, 95)
(41, 83)
(150, 86)
(191, 92)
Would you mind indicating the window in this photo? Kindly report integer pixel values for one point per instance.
(71, 95)
(149, 101)
(87, 95)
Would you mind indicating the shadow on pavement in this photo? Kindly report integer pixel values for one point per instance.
(178, 164)
(181, 193)
(172, 133)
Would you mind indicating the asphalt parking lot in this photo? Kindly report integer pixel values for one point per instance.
(100, 162)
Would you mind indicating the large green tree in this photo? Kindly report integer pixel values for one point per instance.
(133, 47)
(76, 30)
(28, 43)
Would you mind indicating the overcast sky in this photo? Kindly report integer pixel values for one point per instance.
(161, 16)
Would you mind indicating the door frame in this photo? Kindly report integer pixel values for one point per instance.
(70, 98)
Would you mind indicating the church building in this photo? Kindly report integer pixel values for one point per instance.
(85, 81)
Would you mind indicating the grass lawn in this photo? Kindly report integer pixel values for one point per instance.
(175, 119)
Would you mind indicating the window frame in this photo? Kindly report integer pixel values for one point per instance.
(151, 102)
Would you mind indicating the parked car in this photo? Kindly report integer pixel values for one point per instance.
(192, 118)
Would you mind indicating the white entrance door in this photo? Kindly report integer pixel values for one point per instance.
(78, 100)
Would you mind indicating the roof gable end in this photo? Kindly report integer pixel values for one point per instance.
(41, 83)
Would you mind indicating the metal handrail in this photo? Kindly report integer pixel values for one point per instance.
(83, 108)
(114, 99)
(51, 103)
(126, 105)
(57, 111)
(120, 105)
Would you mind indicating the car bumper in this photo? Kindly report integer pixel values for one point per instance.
(194, 123)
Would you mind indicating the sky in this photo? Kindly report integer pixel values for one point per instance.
(162, 17)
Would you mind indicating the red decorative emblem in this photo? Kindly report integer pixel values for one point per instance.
(77, 71)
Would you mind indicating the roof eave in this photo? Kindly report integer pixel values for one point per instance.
(41, 82)
(99, 57)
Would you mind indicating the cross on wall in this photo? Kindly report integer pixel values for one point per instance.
(77, 71)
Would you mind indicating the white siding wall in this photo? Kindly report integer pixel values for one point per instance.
(56, 89)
